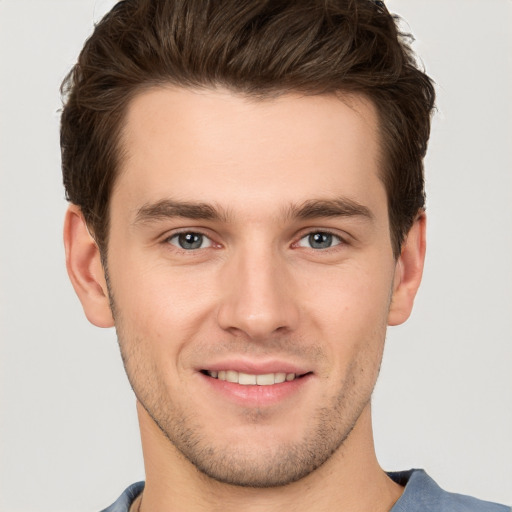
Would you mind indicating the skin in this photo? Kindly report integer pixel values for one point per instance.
(254, 180)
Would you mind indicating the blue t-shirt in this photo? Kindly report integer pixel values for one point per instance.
(421, 494)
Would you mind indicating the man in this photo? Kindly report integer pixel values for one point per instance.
(247, 208)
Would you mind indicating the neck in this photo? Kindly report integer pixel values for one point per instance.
(351, 480)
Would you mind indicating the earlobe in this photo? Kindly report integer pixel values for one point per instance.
(83, 263)
(408, 272)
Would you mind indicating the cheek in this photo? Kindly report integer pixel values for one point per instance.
(158, 301)
(349, 314)
(350, 297)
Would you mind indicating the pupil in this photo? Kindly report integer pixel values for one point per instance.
(190, 240)
(320, 240)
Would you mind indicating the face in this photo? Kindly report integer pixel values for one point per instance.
(251, 275)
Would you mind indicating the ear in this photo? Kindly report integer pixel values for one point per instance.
(85, 270)
(408, 272)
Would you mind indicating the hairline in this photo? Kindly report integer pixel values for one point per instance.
(257, 95)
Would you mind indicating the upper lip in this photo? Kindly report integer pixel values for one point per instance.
(256, 367)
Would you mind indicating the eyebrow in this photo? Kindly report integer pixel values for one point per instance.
(168, 208)
(311, 209)
(340, 207)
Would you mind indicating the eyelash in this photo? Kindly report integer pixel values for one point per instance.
(340, 240)
(211, 243)
(176, 236)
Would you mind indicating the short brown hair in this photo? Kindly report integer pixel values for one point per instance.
(259, 48)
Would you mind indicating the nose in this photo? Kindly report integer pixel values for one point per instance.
(258, 296)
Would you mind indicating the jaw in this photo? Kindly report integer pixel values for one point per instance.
(350, 473)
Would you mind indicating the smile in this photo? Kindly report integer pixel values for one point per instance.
(247, 379)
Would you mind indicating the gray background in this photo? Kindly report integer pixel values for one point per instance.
(69, 438)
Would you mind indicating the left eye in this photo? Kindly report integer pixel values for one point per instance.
(190, 240)
(319, 240)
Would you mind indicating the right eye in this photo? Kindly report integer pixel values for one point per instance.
(320, 240)
(190, 240)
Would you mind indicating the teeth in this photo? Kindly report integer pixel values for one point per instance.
(265, 380)
(231, 376)
(246, 379)
(280, 377)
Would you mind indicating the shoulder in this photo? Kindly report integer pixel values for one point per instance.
(423, 494)
(123, 503)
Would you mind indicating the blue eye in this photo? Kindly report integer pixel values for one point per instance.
(319, 240)
(190, 240)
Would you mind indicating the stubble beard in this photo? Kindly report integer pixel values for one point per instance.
(255, 467)
(241, 464)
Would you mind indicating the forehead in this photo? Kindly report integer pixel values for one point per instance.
(219, 147)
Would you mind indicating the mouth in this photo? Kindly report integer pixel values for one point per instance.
(248, 379)
(260, 385)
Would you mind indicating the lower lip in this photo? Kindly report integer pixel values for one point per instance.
(257, 396)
